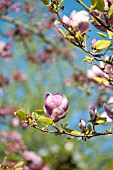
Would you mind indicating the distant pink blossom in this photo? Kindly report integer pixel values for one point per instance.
(36, 160)
(15, 7)
(5, 50)
(17, 75)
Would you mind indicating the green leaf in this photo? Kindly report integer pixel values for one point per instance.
(110, 12)
(61, 32)
(108, 130)
(88, 130)
(45, 2)
(66, 124)
(111, 49)
(60, 4)
(102, 35)
(21, 115)
(110, 33)
(66, 129)
(100, 120)
(101, 44)
(98, 4)
(75, 132)
(40, 112)
(79, 37)
(87, 59)
(100, 80)
(18, 165)
(46, 120)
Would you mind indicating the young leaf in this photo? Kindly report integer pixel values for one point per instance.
(102, 35)
(101, 44)
(88, 130)
(61, 32)
(100, 80)
(87, 59)
(110, 34)
(111, 49)
(100, 120)
(79, 37)
(21, 115)
(45, 2)
(75, 132)
(46, 120)
(110, 12)
(66, 129)
(66, 124)
(60, 4)
(40, 112)
(18, 165)
(18, 168)
(98, 4)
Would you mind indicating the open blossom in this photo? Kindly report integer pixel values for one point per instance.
(78, 21)
(94, 72)
(97, 72)
(55, 106)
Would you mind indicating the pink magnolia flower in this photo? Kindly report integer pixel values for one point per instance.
(101, 16)
(55, 106)
(108, 4)
(78, 21)
(108, 107)
(94, 72)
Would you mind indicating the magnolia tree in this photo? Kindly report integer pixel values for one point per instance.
(75, 29)
(57, 32)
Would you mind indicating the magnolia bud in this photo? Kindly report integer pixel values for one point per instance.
(93, 112)
(55, 106)
(82, 126)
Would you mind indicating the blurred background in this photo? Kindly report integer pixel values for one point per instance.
(37, 60)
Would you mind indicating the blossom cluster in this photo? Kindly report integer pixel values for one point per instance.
(16, 146)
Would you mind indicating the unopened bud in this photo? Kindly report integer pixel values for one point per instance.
(93, 112)
(82, 126)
